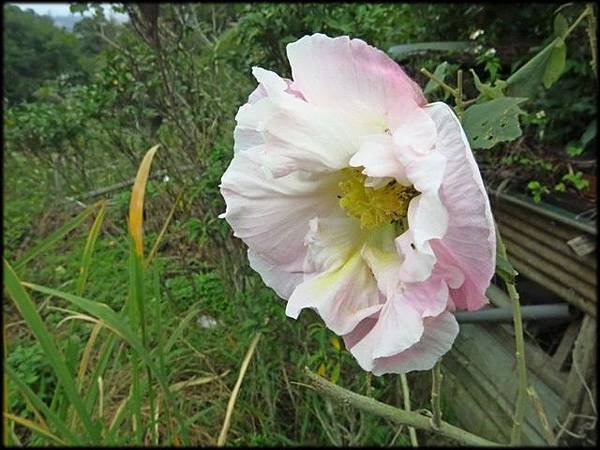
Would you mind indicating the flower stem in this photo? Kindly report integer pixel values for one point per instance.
(436, 387)
(431, 76)
(406, 397)
(515, 436)
(396, 415)
(459, 94)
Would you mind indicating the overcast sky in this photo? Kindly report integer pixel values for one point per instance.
(62, 9)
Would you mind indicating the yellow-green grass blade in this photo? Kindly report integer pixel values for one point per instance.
(152, 253)
(113, 322)
(136, 204)
(49, 415)
(34, 427)
(86, 259)
(55, 358)
(55, 236)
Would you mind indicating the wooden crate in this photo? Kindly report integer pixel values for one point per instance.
(557, 251)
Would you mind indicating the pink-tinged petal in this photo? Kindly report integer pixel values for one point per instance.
(261, 92)
(342, 296)
(293, 134)
(437, 339)
(338, 284)
(271, 215)
(416, 132)
(398, 327)
(469, 243)
(361, 82)
(427, 219)
(281, 281)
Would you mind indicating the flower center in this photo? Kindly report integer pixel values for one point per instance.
(374, 207)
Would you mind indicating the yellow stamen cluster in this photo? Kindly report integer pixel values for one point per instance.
(373, 207)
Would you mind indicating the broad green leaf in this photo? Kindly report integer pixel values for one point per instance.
(486, 90)
(402, 51)
(561, 26)
(527, 78)
(556, 64)
(440, 72)
(492, 122)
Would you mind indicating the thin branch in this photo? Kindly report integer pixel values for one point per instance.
(431, 76)
(406, 397)
(436, 388)
(515, 436)
(396, 415)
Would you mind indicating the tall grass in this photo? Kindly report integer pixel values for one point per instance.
(76, 416)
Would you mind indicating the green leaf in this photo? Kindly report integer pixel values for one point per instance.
(55, 236)
(492, 122)
(39, 404)
(440, 73)
(122, 329)
(402, 51)
(561, 26)
(486, 90)
(589, 133)
(86, 260)
(526, 79)
(505, 269)
(556, 64)
(55, 358)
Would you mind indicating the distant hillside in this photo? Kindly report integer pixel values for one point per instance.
(67, 21)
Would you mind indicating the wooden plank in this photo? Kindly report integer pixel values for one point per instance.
(565, 346)
(484, 368)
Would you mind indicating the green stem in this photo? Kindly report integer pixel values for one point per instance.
(585, 12)
(591, 30)
(406, 397)
(436, 388)
(459, 94)
(431, 76)
(395, 415)
(515, 436)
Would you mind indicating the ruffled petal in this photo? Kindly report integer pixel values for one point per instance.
(361, 82)
(291, 134)
(342, 289)
(283, 282)
(437, 339)
(428, 220)
(398, 327)
(469, 243)
(272, 215)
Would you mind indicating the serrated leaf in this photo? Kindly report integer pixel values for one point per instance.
(491, 122)
(440, 73)
(526, 79)
(556, 64)
(561, 26)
